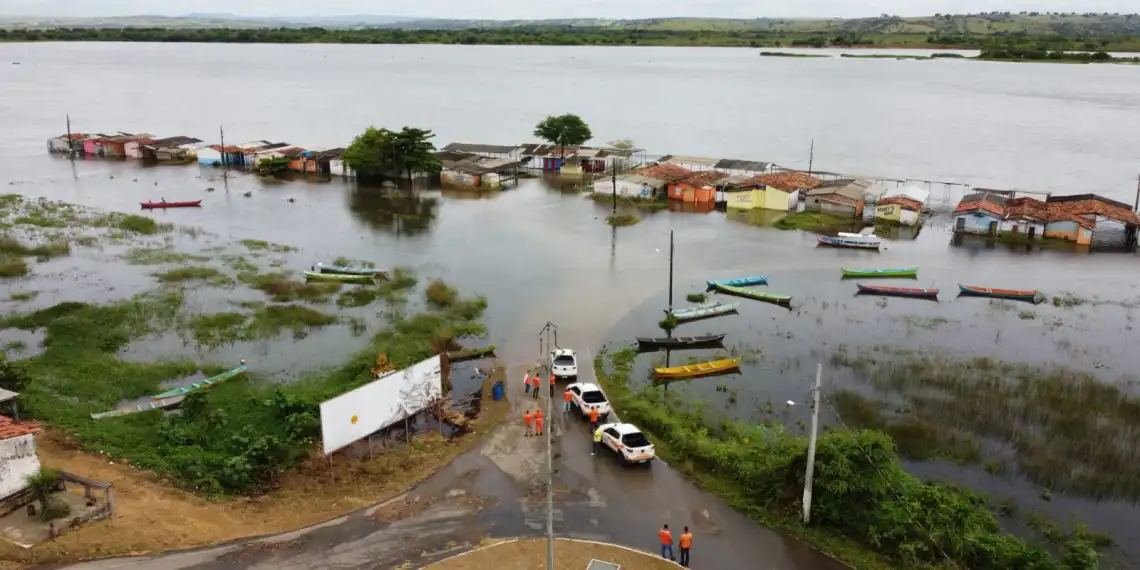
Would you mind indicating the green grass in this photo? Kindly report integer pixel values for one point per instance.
(282, 289)
(358, 297)
(11, 247)
(13, 268)
(622, 220)
(629, 201)
(695, 297)
(240, 263)
(395, 289)
(261, 245)
(816, 221)
(159, 256)
(788, 54)
(265, 322)
(23, 296)
(138, 224)
(39, 221)
(195, 273)
(439, 294)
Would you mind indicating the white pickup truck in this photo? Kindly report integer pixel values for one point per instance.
(586, 397)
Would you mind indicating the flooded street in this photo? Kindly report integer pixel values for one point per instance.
(542, 253)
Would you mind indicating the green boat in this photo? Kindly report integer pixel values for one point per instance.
(207, 383)
(890, 272)
(754, 294)
(340, 277)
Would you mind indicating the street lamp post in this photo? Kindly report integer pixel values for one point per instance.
(548, 329)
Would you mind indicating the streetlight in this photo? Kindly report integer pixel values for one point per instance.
(811, 442)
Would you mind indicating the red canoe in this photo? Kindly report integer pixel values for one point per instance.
(151, 205)
(898, 291)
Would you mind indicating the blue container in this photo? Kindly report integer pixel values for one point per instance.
(497, 391)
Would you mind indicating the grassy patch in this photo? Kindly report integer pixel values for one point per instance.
(440, 294)
(1027, 315)
(644, 204)
(195, 273)
(816, 221)
(788, 54)
(12, 247)
(695, 297)
(159, 256)
(864, 504)
(39, 221)
(23, 296)
(1068, 300)
(282, 289)
(914, 438)
(395, 289)
(13, 268)
(134, 223)
(261, 245)
(240, 263)
(347, 262)
(622, 220)
(357, 297)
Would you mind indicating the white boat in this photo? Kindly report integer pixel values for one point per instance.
(856, 241)
(703, 311)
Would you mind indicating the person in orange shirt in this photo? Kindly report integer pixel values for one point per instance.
(535, 385)
(538, 419)
(552, 380)
(566, 397)
(593, 420)
(666, 537)
(527, 419)
(685, 543)
(526, 383)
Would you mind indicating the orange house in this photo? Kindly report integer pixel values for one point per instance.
(699, 188)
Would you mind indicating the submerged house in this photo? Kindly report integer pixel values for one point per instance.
(980, 213)
(1073, 218)
(64, 143)
(461, 168)
(169, 148)
(217, 155)
(780, 191)
(700, 188)
(843, 198)
(902, 205)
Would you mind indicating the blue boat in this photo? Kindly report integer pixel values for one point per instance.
(741, 282)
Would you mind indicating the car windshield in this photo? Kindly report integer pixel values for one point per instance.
(635, 440)
(593, 397)
(564, 360)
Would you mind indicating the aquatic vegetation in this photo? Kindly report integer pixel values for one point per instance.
(12, 247)
(261, 245)
(817, 221)
(240, 263)
(159, 256)
(23, 296)
(695, 297)
(440, 294)
(13, 268)
(357, 297)
(266, 322)
(622, 220)
(195, 273)
(282, 289)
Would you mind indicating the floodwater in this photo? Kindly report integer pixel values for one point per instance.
(542, 253)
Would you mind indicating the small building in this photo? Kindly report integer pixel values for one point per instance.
(898, 209)
(116, 147)
(841, 198)
(631, 185)
(693, 163)
(513, 152)
(17, 456)
(320, 162)
(915, 193)
(980, 213)
(461, 168)
(700, 188)
(166, 149)
(780, 191)
(1025, 215)
(572, 166)
(214, 154)
(64, 143)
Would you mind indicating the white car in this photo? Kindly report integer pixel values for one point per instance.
(628, 442)
(565, 363)
(586, 397)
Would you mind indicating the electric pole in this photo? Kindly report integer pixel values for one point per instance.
(811, 157)
(811, 444)
(547, 330)
(70, 143)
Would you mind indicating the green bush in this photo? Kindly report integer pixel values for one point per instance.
(56, 508)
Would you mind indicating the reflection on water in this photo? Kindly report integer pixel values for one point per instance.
(400, 212)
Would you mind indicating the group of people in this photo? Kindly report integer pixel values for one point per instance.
(684, 544)
(533, 385)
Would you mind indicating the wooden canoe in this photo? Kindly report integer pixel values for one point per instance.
(156, 205)
(347, 270)
(470, 353)
(703, 311)
(679, 342)
(341, 277)
(1028, 295)
(207, 383)
(890, 272)
(898, 291)
(740, 282)
(757, 295)
(866, 242)
(699, 369)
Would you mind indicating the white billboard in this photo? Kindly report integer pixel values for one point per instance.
(389, 399)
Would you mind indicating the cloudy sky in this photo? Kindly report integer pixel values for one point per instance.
(529, 9)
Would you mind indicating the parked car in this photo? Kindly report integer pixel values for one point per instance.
(627, 442)
(565, 363)
(586, 397)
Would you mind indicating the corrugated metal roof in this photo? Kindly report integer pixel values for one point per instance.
(749, 165)
(487, 148)
(681, 159)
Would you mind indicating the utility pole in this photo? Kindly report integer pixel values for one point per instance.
(811, 157)
(225, 169)
(613, 179)
(548, 329)
(670, 272)
(1136, 207)
(811, 444)
(70, 143)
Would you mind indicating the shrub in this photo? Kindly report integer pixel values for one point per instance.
(56, 508)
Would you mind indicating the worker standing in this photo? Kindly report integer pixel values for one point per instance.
(538, 419)
(666, 537)
(528, 418)
(566, 397)
(597, 442)
(593, 419)
(685, 543)
(535, 385)
(526, 383)
(552, 379)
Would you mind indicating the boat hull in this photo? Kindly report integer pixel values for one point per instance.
(895, 272)
(339, 277)
(1027, 295)
(201, 385)
(704, 311)
(161, 205)
(756, 295)
(697, 370)
(742, 282)
(345, 270)
(850, 243)
(680, 342)
(899, 291)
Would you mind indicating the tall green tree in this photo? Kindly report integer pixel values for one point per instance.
(563, 130)
(370, 153)
(413, 151)
(380, 153)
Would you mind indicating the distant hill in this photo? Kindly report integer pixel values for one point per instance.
(990, 24)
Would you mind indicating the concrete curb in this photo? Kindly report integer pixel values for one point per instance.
(556, 540)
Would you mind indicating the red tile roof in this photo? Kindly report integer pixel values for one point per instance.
(906, 203)
(1026, 208)
(786, 181)
(1062, 209)
(10, 429)
(670, 173)
(704, 178)
(983, 205)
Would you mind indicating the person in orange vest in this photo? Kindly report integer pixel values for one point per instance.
(566, 397)
(666, 537)
(685, 543)
(538, 419)
(526, 383)
(535, 385)
(552, 386)
(593, 419)
(527, 419)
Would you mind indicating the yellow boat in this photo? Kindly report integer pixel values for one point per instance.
(699, 369)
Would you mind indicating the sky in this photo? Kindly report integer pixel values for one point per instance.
(540, 9)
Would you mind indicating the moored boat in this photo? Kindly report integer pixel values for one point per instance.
(207, 383)
(1029, 295)
(470, 353)
(156, 205)
(898, 291)
(703, 311)
(740, 282)
(855, 241)
(699, 369)
(341, 277)
(679, 342)
(346, 269)
(887, 272)
(757, 295)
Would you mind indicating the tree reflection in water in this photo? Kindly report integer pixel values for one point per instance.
(402, 212)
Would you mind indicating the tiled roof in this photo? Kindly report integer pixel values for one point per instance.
(1093, 205)
(10, 429)
(786, 181)
(908, 203)
(670, 173)
(984, 202)
(1026, 208)
(704, 178)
